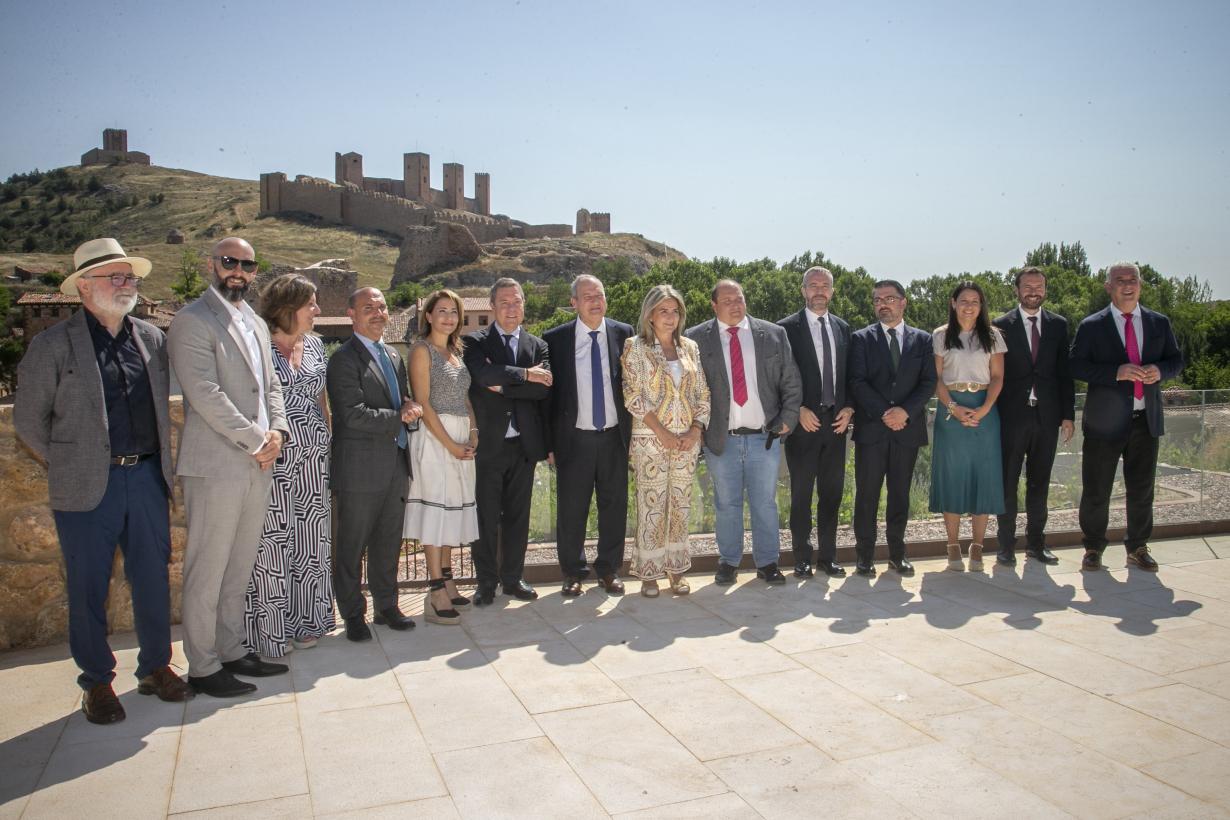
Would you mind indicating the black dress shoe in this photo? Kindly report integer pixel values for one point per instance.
(832, 569)
(572, 587)
(725, 575)
(393, 619)
(521, 591)
(771, 574)
(1042, 555)
(867, 570)
(357, 630)
(221, 684)
(484, 595)
(1006, 557)
(100, 705)
(903, 567)
(1141, 558)
(251, 666)
(1092, 561)
(611, 584)
(802, 569)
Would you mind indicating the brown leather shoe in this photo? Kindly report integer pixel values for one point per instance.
(166, 685)
(1092, 561)
(572, 587)
(100, 705)
(1140, 557)
(611, 584)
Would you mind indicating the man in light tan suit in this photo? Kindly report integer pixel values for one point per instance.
(234, 427)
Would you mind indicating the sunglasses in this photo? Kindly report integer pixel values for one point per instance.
(230, 263)
(119, 280)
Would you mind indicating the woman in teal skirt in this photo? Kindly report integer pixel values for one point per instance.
(966, 477)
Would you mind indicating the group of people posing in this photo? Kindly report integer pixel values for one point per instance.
(441, 448)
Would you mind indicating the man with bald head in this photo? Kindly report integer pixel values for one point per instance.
(1124, 352)
(92, 403)
(370, 467)
(234, 428)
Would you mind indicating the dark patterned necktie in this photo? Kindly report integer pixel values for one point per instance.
(894, 348)
(595, 377)
(826, 369)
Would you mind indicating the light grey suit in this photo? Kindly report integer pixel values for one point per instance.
(225, 491)
(60, 413)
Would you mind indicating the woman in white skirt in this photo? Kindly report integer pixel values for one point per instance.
(440, 512)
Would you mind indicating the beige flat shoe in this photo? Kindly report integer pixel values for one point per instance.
(954, 558)
(975, 557)
(679, 584)
(649, 589)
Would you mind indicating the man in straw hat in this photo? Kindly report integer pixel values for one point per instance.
(234, 428)
(92, 403)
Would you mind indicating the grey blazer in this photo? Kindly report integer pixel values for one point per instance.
(365, 421)
(60, 413)
(777, 378)
(221, 393)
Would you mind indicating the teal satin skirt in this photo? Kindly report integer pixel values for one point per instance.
(967, 475)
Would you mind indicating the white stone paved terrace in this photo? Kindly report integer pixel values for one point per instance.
(1039, 692)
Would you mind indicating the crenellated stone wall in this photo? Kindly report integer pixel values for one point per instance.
(33, 602)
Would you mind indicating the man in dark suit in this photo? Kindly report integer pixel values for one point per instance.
(510, 382)
(1123, 351)
(892, 378)
(816, 450)
(92, 404)
(1037, 404)
(590, 435)
(755, 390)
(370, 465)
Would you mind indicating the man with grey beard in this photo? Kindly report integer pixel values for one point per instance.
(234, 428)
(92, 403)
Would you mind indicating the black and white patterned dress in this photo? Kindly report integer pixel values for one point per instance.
(290, 595)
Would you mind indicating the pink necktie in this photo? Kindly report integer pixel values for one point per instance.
(738, 380)
(1034, 339)
(1133, 351)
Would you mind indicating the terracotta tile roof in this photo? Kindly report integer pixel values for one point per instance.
(58, 298)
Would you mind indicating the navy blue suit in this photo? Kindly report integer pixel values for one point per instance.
(1113, 430)
(881, 454)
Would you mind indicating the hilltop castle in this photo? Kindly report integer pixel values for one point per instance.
(396, 205)
(114, 150)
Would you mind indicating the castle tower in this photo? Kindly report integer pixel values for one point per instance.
(600, 222)
(417, 175)
(454, 186)
(482, 193)
(115, 139)
(348, 168)
(582, 220)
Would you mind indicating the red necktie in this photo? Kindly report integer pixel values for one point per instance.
(738, 380)
(1034, 339)
(1133, 353)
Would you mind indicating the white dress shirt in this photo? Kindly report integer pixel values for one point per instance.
(813, 326)
(751, 414)
(1028, 325)
(244, 319)
(585, 394)
(1138, 325)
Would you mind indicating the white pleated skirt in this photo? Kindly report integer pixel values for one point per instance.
(440, 509)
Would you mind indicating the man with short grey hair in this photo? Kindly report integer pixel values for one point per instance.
(92, 403)
(510, 380)
(234, 428)
(1124, 352)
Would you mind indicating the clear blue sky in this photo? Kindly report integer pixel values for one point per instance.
(909, 137)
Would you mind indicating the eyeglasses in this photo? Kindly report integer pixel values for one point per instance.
(886, 300)
(119, 280)
(230, 263)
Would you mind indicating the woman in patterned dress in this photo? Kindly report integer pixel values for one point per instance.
(440, 511)
(290, 600)
(666, 393)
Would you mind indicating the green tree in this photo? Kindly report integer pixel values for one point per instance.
(189, 284)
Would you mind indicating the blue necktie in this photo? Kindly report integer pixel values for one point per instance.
(390, 378)
(595, 377)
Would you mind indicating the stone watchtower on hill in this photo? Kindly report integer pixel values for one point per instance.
(114, 150)
(415, 184)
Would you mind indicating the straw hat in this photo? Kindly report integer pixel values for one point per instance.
(95, 254)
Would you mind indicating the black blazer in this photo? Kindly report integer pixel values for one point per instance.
(875, 389)
(562, 408)
(365, 421)
(804, 350)
(1049, 378)
(487, 360)
(1098, 352)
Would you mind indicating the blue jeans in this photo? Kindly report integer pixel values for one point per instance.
(746, 466)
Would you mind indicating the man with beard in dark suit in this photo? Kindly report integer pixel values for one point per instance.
(1037, 404)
